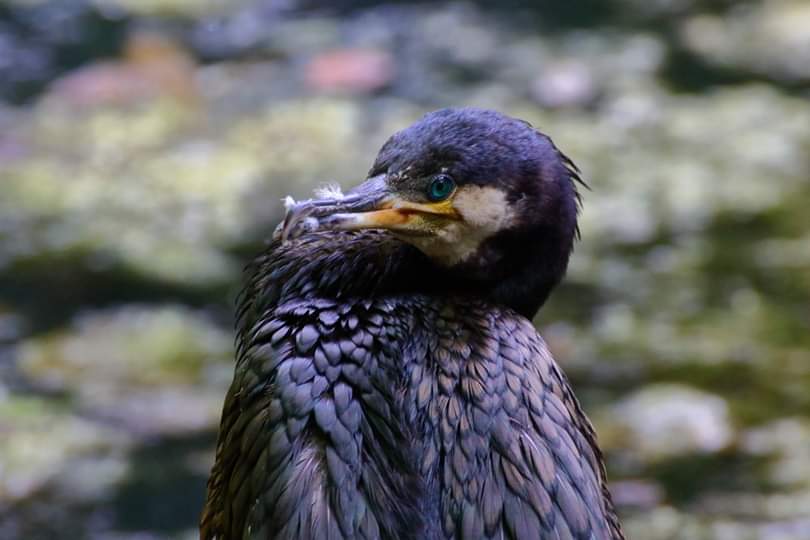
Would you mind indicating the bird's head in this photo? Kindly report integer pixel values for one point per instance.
(486, 197)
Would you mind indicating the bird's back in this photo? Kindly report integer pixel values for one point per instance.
(392, 415)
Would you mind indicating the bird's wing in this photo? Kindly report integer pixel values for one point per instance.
(302, 413)
(261, 465)
(309, 446)
(271, 475)
(520, 458)
(305, 408)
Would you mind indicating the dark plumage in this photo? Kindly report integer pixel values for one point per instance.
(389, 383)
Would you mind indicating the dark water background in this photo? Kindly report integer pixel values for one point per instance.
(145, 146)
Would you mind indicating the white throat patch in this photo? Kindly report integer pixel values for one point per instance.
(484, 211)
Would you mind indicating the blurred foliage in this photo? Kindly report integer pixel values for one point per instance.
(145, 147)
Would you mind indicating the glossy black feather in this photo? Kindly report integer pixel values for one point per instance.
(391, 414)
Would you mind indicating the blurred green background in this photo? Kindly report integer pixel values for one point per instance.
(145, 146)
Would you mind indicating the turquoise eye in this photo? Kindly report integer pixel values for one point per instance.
(441, 187)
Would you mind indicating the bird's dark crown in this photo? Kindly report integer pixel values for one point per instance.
(504, 229)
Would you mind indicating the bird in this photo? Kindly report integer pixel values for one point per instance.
(389, 382)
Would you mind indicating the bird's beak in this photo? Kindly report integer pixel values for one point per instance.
(371, 205)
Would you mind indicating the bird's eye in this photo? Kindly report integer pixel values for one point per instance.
(441, 187)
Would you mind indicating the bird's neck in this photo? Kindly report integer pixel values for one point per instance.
(516, 269)
(374, 263)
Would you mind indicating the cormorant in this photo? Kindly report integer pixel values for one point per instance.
(389, 383)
